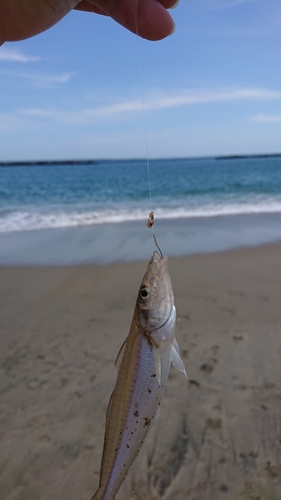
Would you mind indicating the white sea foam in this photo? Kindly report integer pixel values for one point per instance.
(36, 218)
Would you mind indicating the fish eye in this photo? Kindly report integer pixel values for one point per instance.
(144, 292)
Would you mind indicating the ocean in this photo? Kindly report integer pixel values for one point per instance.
(97, 212)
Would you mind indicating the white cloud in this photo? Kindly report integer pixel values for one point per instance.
(266, 118)
(15, 55)
(38, 79)
(85, 115)
(46, 80)
(156, 101)
(30, 117)
(188, 97)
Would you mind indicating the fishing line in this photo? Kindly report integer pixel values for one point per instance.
(150, 221)
(144, 115)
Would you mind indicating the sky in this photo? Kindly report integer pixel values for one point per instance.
(212, 88)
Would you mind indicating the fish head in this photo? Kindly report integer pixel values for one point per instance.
(155, 299)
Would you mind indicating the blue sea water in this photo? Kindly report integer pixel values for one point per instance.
(114, 191)
(197, 193)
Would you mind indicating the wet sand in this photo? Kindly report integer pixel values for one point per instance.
(218, 435)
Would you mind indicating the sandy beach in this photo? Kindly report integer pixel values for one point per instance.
(218, 435)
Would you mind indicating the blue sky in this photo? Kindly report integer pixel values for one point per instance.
(212, 88)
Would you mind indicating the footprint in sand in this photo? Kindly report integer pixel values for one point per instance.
(215, 349)
(194, 383)
(208, 367)
(237, 338)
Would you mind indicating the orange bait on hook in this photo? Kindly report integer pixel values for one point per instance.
(150, 220)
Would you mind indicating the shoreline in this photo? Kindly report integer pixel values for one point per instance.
(218, 434)
(132, 241)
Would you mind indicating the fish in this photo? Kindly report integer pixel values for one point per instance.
(143, 365)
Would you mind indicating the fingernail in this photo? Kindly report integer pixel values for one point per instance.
(175, 4)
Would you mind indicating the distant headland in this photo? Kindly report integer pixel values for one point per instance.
(243, 157)
(40, 163)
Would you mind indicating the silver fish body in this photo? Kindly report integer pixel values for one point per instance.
(143, 366)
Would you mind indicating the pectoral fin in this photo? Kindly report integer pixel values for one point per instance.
(176, 359)
(120, 355)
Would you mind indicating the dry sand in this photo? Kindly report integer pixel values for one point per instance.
(218, 435)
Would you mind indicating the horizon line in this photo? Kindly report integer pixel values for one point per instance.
(91, 161)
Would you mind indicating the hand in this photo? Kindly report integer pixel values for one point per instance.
(20, 19)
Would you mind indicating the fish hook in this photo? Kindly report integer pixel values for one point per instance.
(157, 246)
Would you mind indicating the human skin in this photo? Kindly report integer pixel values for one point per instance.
(20, 19)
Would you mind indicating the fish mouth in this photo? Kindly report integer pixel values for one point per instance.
(156, 257)
(159, 260)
